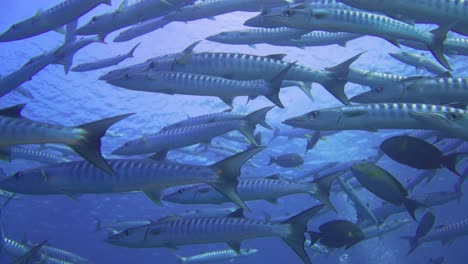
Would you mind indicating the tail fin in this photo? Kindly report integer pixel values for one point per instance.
(275, 86)
(336, 85)
(276, 133)
(411, 206)
(89, 147)
(251, 120)
(414, 243)
(452, 161)
(70, 30)
(312, 141)
(322, 192)
(437, 45)
(228, 170)
(272, 161)
(298, 227)
(130, 53)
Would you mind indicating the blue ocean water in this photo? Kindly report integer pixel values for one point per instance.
(78, 98)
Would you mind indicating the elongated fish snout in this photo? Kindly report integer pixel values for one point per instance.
(296, 121)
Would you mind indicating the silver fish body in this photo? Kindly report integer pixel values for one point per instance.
(217, 256)
(256, 36)
(104, 63)
(425, 11)
(317, 39)
(420, 62)
(426, 90)
(133, 14)
(359, 22)
(371, 117)
(50, 19)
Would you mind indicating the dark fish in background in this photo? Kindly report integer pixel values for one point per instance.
(420, 154)
(381, 183)
(424, 227)
(439, 260)
(429, 199)
(291, 160)
(337, 234)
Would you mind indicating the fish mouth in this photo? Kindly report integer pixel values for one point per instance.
(213, 38)
(298, 121)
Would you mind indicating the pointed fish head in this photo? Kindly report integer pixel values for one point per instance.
(97, 25)
(132, 147)
(27, 182)
(136, 237)
(379, 94)
(326, 119)
(226, 37)
(190, 195)
(294, 17)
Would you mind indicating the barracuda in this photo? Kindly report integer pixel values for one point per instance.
(203, 85)
(217, 256)
(421, 62)
(452, 46)
(130, 15)
(141, 29)
(422, 11)
(251, 67)
(231, 230)
(32, 256)
(84, 139)
(104, 63)
(446, 234)
(318, 39)
(269, 189)
(168, 139)
(14, 153)
(64, 55)
(50, 19)
(374, 79)
(263, 21)
(363, 212)
(149, 176)
(452, 122)
(13, 80)
(427, 90)
(61, 255)
(358, 22)
(256, 36)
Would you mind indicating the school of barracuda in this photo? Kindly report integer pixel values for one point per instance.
(427, 115)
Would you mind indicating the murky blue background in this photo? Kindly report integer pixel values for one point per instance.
(79, 97)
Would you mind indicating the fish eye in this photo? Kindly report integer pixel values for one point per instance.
(93, 20)
(223, 34)
(377, 89)
(288, 13)
(127, 232)
(14, 26)
(126, 77)
(181, 191)
(453, 116)
(313, 114)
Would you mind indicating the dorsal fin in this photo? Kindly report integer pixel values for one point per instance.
(274, 177)
(13, 111)
(239, 213)
(276, 56)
